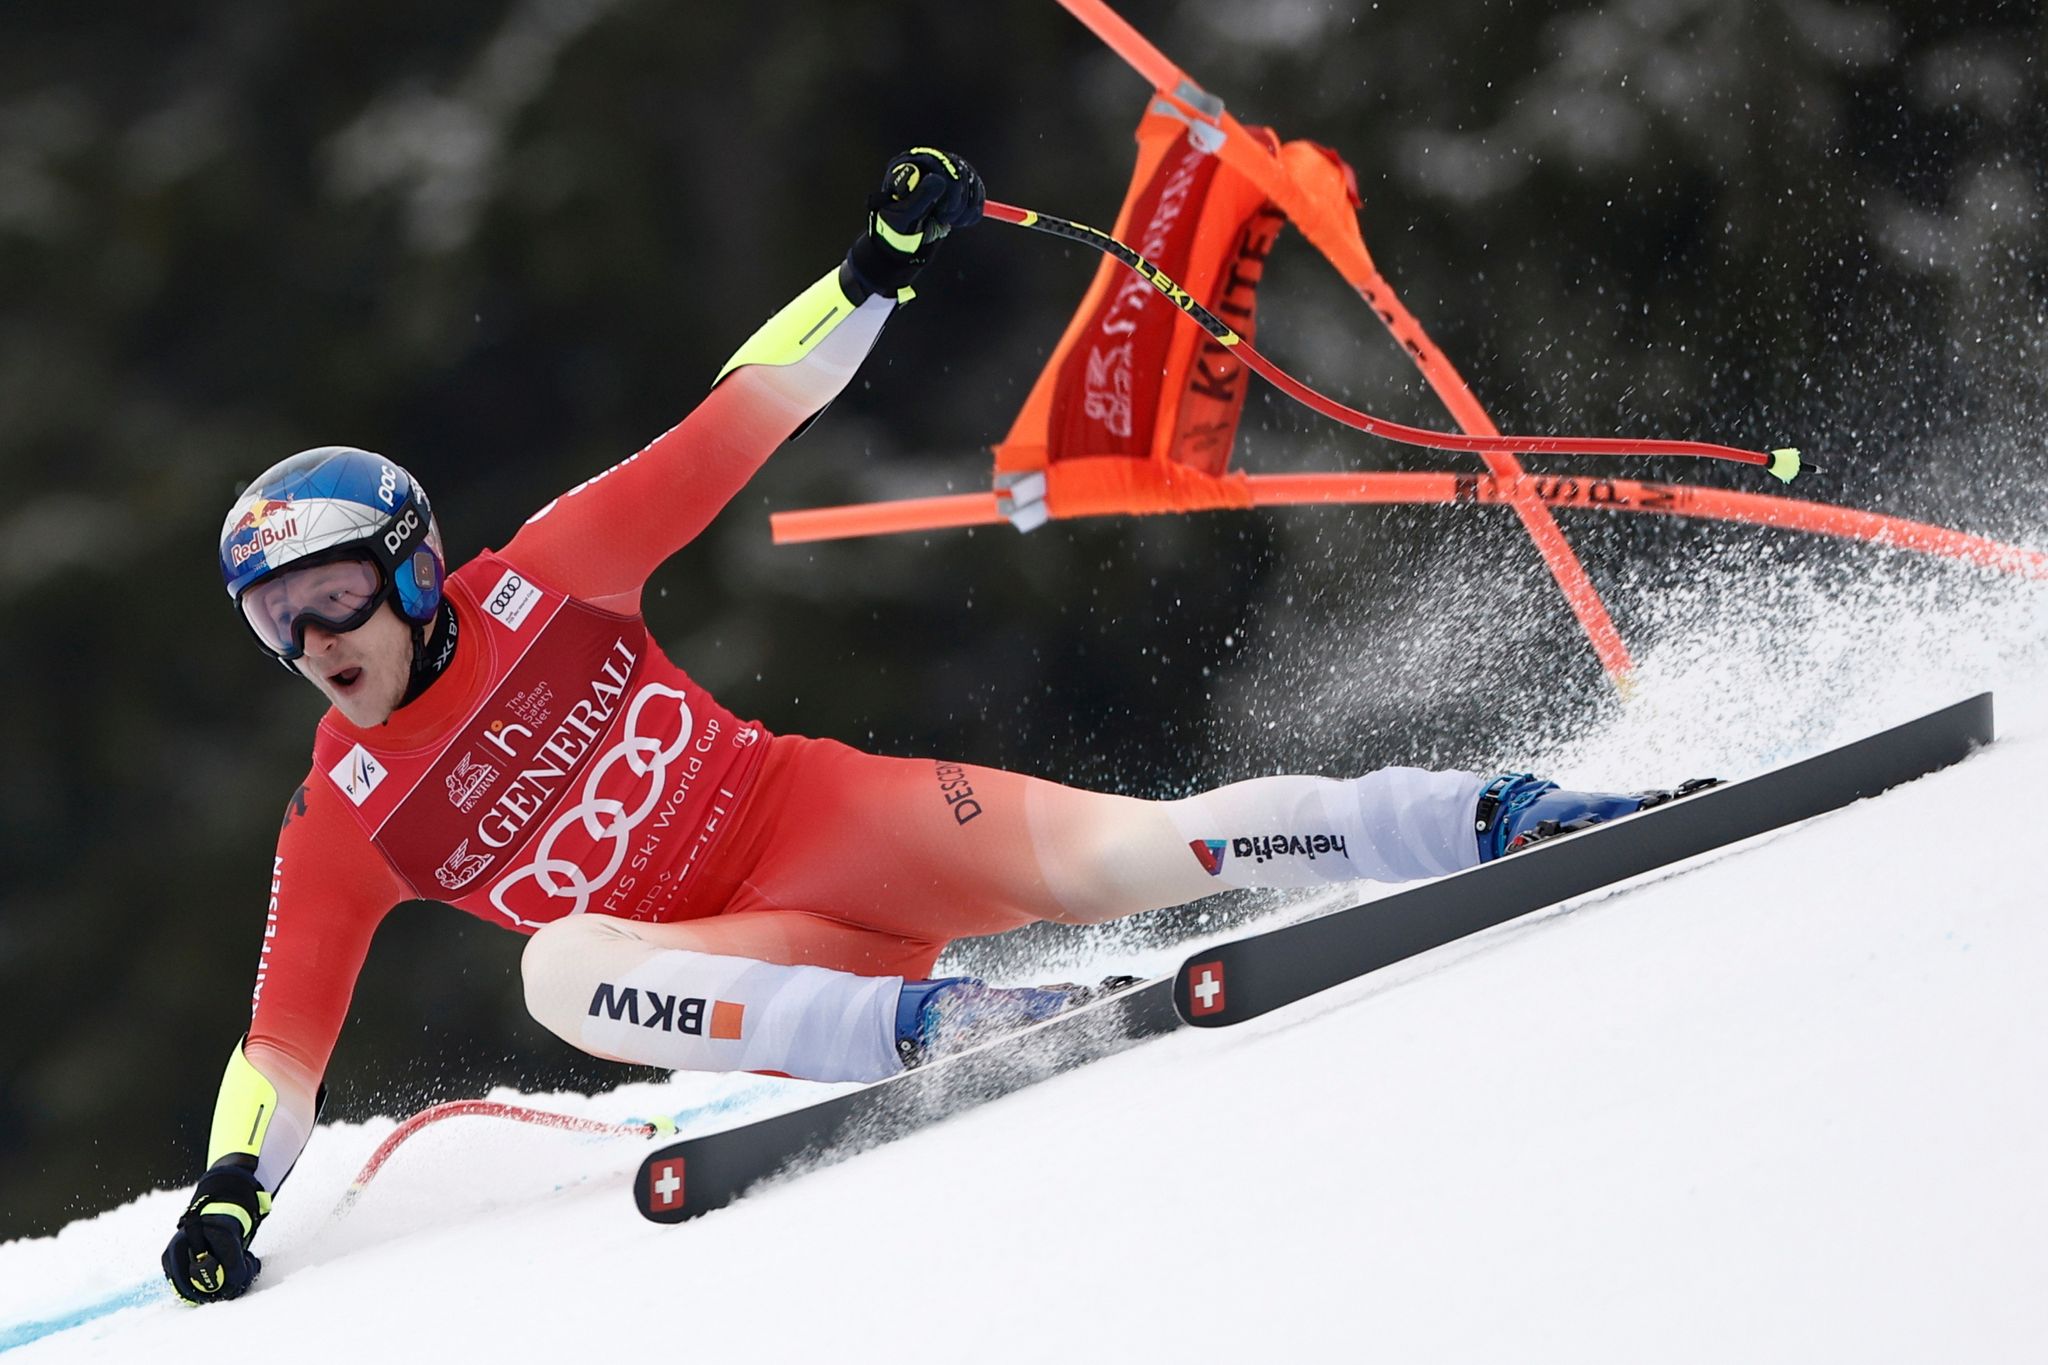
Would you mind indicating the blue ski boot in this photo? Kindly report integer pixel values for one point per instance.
(949, 1014)
(1517, 809)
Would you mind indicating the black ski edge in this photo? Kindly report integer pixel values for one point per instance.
(711, 1170)
(1244, 978)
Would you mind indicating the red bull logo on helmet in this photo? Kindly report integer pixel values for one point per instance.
(266, 522)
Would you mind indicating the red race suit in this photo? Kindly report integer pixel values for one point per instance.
(562, 765)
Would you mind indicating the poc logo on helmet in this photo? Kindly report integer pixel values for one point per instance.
(401, 532)
(387, 486)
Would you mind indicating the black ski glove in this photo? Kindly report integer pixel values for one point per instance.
(925, 194)
(209, 1257)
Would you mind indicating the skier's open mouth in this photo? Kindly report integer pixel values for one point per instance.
(347, 678)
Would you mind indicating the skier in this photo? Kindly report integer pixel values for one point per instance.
(699, 893)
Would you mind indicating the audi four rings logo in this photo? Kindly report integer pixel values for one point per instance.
(511, 600)
(606, 819)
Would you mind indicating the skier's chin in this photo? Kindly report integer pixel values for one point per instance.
(356, 693)
(364, 715)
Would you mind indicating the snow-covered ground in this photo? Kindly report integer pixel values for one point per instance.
(1790, 1104)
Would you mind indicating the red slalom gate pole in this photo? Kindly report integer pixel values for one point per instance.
(481, 1109)
(1327, 488)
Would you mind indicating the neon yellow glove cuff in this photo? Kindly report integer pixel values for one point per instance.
(795, 332)
(242, 1114)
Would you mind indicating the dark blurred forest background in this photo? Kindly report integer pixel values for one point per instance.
(509, 241)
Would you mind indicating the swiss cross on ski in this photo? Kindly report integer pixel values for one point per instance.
(665, 1184)
(1205, 989)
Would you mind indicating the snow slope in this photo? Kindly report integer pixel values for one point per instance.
(1789, 1104)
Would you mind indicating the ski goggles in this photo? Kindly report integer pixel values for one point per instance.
(337, 595)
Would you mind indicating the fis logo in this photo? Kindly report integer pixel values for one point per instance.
(670, 1013)
(1209, 853)
(358, 774)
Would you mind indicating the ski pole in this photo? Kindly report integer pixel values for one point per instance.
(1784, 464)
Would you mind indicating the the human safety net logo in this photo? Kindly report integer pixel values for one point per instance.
(588, 841)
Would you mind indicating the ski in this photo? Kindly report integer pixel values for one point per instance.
(691, 1177)
(1247, 977)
